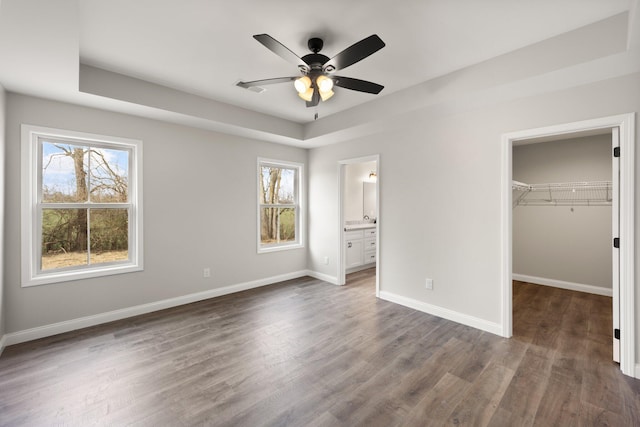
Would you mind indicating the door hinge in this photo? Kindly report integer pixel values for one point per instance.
(616, 242)
(616, 334)
(616, 151)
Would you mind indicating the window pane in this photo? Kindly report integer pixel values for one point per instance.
(109, 235)
(64, 238)
(287, 225)
(109, 175)
(278, 185)
(278, 225)
(64, 172)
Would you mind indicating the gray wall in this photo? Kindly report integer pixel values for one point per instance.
(440, 197)
(199, 211)
(560, 242)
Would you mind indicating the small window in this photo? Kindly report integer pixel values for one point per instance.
(279, 218)
(81, 209)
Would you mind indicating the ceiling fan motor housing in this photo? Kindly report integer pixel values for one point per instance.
(315, 61)
(315, 44)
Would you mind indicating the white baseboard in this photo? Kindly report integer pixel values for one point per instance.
(590, 289)
(321, 276)
(110, 316)
(3, 343)
(637, 372)
(445, 313)
(360, 268)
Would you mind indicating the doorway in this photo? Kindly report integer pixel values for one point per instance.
(359, 206)
(562, 243)
(623, 292)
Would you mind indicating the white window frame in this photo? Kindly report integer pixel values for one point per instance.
(31, 227)
(297, 205)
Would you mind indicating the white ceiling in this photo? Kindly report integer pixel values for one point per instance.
(179, 60)
(204, 46)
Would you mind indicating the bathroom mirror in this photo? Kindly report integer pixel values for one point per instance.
(369, 200)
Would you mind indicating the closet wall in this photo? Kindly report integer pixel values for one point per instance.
(563, 243)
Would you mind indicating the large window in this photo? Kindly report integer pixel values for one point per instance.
(279, 218)
(81, 205)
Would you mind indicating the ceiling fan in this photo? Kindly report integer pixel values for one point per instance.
(317, 79)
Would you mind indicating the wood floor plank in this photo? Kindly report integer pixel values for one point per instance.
(436, 407)
(483, 397)
(304, 352)
(591, 415)
(560, 403)
(502, 418)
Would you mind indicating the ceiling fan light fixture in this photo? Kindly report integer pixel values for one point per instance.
(317, 69)
(302, 84)
(307, 95)
(324, 83)
(325, 94)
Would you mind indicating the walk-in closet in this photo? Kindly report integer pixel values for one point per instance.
(562, 239)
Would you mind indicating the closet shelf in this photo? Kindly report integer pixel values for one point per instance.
(591, 193)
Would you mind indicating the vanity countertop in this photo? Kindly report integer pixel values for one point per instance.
(349, 227)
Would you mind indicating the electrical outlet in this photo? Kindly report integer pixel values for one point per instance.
(206, 272)
(429, 284)
(325, 260)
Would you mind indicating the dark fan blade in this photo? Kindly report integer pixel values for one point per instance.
(255, 83)
(357, 84)
(355, 53)
(315, 100)
(279, 49)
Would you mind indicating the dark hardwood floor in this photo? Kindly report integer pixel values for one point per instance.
(306, 353)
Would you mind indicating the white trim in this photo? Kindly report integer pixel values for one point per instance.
(590, 289)
(445, 313)
(360, 268)
(298, 206)
(342, 273)
(627, 244)
(506, 240)
(615, 232)
(30, 274)
(3, 343)
(626, 123)
(110, 316)
(637, 371)
(321, 276)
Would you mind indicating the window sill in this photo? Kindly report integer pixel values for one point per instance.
(89, 273)
(281, 247)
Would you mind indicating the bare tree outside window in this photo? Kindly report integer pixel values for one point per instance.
(84, 216)
(278, 193)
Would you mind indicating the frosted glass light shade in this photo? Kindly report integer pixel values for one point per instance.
(302, 84)
(306, 95)
(324, 83)
(324, 95)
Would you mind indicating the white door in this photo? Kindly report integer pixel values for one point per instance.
(615, 231)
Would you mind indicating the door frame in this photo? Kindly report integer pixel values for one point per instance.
(615, 232)
(626, 125)
(341, 273)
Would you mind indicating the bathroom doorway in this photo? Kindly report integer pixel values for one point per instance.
(359, 201)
